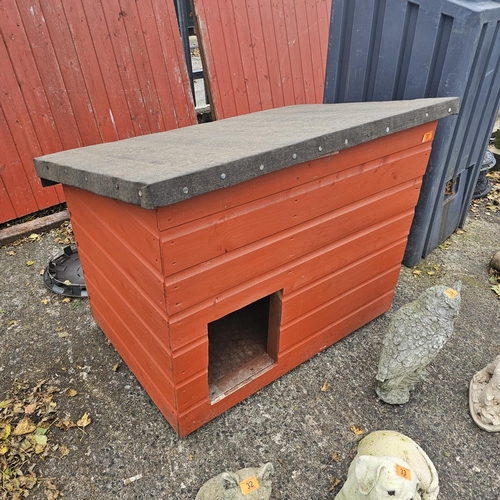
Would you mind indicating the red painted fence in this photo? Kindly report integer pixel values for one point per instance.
(78, 72)
(263, 54)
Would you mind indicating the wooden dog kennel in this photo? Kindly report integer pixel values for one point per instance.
(219, 256)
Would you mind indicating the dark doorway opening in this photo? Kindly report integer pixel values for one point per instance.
(242, 345)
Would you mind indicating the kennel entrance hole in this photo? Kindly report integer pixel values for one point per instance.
(242, 345)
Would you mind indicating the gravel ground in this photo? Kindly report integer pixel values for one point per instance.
(305, 432)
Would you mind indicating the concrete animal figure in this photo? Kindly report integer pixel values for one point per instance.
(244, 484)
(416, 334)
(484, 397)
(390, 465)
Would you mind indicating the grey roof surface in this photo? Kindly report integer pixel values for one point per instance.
(164, 168)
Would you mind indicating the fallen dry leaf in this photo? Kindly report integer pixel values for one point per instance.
(29, 263)
(325, 386)
(25, 426)
(336, 481)
(63, 451)
(357, 430)
(65, 424)
(84, 421)
(30, 409)
(70, 392)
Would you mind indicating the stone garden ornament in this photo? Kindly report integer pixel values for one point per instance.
(390, 465)
(415, 335)
(484, 397)
(244, 484)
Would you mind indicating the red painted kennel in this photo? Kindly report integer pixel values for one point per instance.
(219, 256)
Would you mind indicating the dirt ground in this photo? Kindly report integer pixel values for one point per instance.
(101, 428)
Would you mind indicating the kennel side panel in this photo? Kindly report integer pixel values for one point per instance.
(133, 246)
(332, 311)
(211, 278)
(254, 221)
(159, 389)
(191, 324)
(332, 285)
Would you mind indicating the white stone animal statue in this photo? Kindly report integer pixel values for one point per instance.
(484, 397)
(416, 334)
(244, 484)
(390, 466)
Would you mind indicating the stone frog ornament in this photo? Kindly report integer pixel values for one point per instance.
(244, 484)
(390, 466)
(416, 334)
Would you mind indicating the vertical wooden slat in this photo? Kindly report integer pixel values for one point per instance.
(245, 46)
(108, 67)
(284, 65)
(12, 173)
(75, 73)
(116, 19)
(230, 37)
(7, 211)
(271, 55)
(72, 81)
(293, 44)
(264, 54)
(50, 74)
(81, 36)
(261, 56)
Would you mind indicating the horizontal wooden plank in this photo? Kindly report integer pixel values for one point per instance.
(159, 389)
(189, 360)
(210, 278)
(139, 268)
(331, 312)
(195, 416)
(97, 261)
(295, 175)
(101, 287)
(325, 289)
(129, 223)
(191, 323)
(12, 233)
(192, 391)
(199, 241)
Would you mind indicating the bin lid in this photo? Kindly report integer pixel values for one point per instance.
(167, 167)
(64, 274)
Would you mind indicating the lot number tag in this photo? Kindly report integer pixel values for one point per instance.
(248, 485)
(427, 136)
(403, 472)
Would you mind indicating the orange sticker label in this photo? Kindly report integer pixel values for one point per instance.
(451, 293)
(428, 136)
(403, 472)
(248, 485)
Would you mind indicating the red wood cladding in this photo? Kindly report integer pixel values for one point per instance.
(75, 73)
(263, 54)
(324, 238)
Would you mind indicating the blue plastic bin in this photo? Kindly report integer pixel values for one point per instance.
(396, 49)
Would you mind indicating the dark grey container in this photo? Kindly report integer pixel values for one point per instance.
(383, 50)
